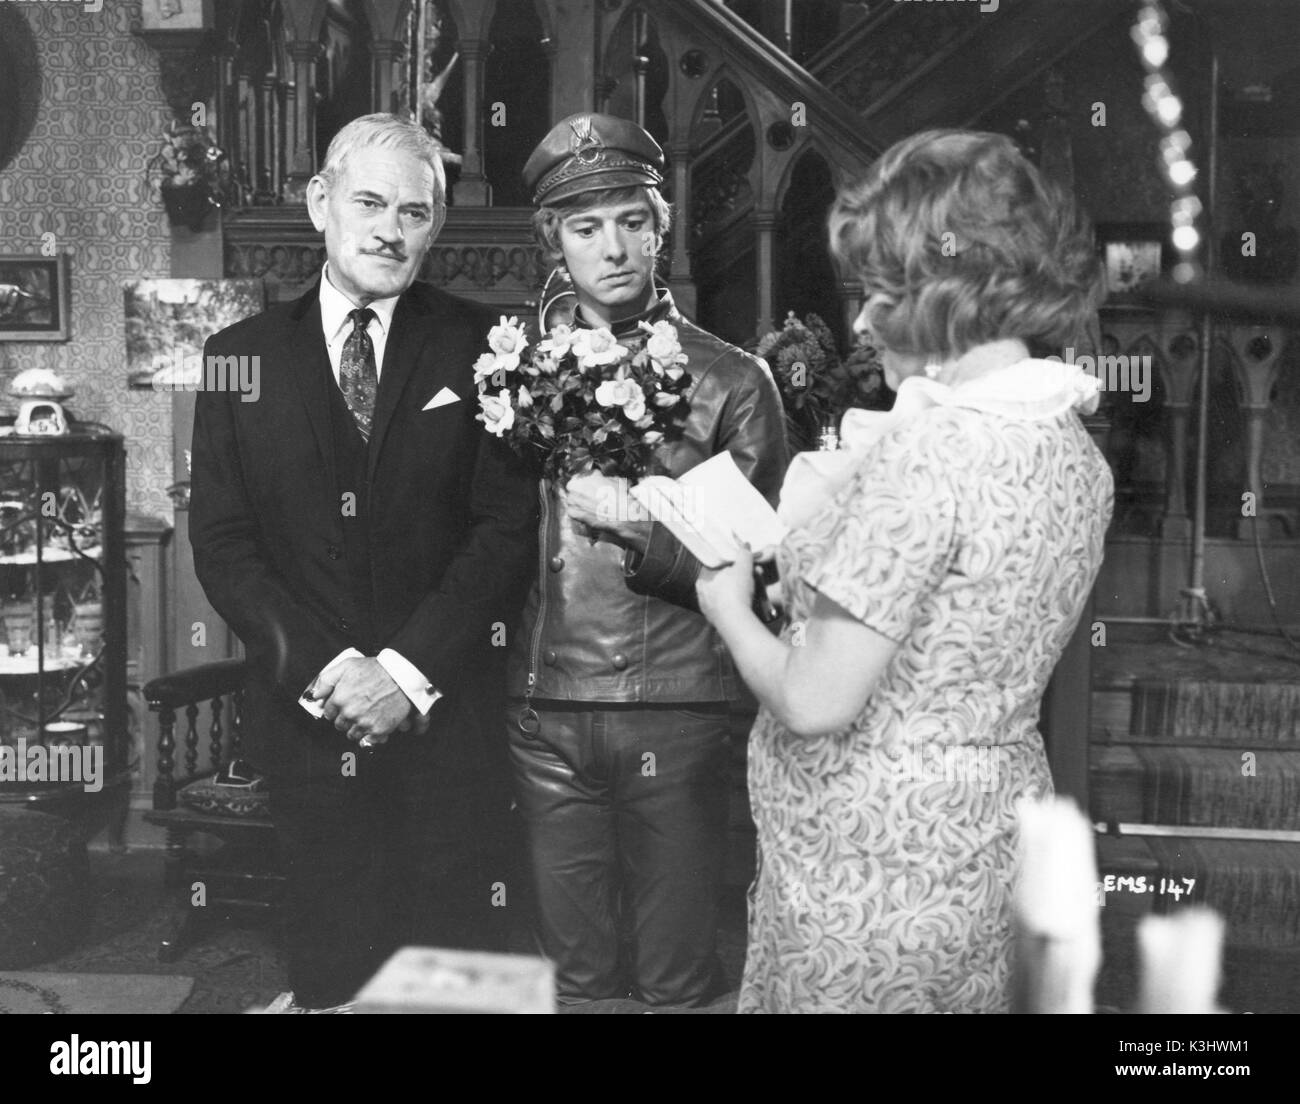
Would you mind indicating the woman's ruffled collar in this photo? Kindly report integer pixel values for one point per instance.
(1029, 390)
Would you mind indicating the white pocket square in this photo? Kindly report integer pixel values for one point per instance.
(442, 398)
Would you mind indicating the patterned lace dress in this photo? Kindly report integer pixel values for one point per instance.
(887, 850)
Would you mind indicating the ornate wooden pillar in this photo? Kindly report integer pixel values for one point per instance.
(1174, 334)
(1180, 348)
(384, 52)
(552, 52)
(764, 232)
(225, 102)
(290, 114)
(1056, 156)
(266, 129)
(247, 119)
(473, 189)
(681, 282)
(283, 125)
(640, 67)
(1176, 523)
(302, 163)
(1256, 353)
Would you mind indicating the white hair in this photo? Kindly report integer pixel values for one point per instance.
(384, 131)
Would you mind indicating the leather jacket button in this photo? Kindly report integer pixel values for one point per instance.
(333, 552)
(345, 624)
(620, 661)
(557, 563)
(549, 659)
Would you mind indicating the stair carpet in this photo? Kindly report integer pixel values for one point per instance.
(1197, 753)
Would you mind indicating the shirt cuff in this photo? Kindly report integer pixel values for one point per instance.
(314, 707)
(410, 679)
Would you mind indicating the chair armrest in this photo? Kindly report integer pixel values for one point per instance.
(196, 684)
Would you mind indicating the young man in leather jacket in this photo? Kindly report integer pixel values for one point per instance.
(620, 690)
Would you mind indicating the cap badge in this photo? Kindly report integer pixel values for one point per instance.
(585, 143)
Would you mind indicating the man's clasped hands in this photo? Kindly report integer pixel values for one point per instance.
(362, 701)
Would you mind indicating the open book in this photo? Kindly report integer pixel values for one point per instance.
(710, 509)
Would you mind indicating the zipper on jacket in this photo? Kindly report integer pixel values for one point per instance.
(529, 722)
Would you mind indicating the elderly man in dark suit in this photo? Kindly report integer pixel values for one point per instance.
(367, 541)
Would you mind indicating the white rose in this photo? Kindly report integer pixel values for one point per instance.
(483, 368)
(634, 408)
(662, 345)
(498, 415)
(508, 341)
(624, 393)
(610, 393)
(594, 348)
(559, 341)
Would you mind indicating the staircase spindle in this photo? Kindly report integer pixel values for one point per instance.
(191, 739)
(215, 735)
(164, 786)
(237, 724)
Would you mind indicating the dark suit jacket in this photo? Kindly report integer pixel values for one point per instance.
(452, 523)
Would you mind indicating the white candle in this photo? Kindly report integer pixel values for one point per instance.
(1058, 941)
(1180, 961)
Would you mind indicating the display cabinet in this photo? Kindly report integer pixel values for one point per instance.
(63, 723)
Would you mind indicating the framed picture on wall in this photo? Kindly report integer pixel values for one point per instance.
(33, 297)
(1133, 254)
(176, 15)
(168, 320)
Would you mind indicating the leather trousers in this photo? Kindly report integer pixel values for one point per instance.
(625, 819)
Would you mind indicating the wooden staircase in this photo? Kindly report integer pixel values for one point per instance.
(1195, 786)
(882, 70)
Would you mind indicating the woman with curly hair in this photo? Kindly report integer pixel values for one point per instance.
(929, 600)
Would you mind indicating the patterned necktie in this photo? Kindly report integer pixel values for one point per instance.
(358, 376)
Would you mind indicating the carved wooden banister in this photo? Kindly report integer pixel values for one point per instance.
(756, 59)
(824, 66)
(880, 74)
(195, 684)
(187, 690)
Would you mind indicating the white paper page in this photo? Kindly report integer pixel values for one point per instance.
(707, 505)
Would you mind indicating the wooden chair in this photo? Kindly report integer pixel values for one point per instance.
(239, 879)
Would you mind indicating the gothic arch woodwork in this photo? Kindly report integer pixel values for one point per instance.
(806, 278)
(518, 80)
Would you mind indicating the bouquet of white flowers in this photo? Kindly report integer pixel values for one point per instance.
(579, 400)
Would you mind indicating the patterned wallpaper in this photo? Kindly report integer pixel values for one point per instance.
(81, 177)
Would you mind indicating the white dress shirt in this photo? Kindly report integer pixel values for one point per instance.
(337, 326)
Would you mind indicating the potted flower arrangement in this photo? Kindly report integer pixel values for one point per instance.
(191, 173)
(817, 385)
